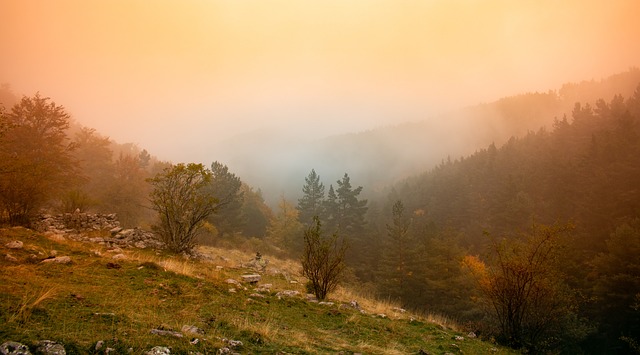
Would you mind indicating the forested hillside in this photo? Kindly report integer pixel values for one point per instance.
(385, 155)
(582, 176)
(533, 241)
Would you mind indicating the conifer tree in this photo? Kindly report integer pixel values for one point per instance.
(226, 188)
(350, 210)
(330, 210)
(397, 256)
(311, 204)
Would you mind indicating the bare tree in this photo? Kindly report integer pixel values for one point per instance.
(322, 260)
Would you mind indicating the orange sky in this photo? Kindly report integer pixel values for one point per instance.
(179, 74)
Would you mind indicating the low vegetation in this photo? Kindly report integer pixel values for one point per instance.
(118, 302)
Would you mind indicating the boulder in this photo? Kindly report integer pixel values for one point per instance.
(158, 350)
(48, 347)
(191, 329)
(252, 279)
(16, 244)
(14, 348)
(287, 293)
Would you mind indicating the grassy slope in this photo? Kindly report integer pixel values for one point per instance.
(90, 299)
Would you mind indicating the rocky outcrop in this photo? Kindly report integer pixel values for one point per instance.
(77, 226)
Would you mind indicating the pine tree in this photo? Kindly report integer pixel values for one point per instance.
(311, 204)
(350, 210)
(226, 187)
(397, 254)
(330, 210)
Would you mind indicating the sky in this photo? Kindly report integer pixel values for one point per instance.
(181, 78)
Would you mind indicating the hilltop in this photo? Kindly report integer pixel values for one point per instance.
(92, 296)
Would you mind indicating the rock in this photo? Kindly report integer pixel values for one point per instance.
(158, 350)
(458, 338)
(287, 293)
(325, 303)
(48, 347)
(166, 333)
(252, 279)
(191, 329)
(99, 345)
(472, 335)
(256, 295)
(16, 244)
(232, 281)
(56, 237)
(115, 230)
(119, 257)
(14, 348)
(11, 258)
(235, 343)
(140, 245)
(58, 260)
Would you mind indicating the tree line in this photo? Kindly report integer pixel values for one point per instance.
(535, 242)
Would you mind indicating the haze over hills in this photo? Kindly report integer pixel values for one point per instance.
(277, 162)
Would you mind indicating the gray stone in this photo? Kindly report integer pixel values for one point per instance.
(48, 347)
(56, 237)
(10, 257)
(231, 281)
(99, 345)
(16, 244)
(58, 260)
(14, 348)
(191, 329)
(287, 293)
(166, 333)
(253, 278)
(158, 350)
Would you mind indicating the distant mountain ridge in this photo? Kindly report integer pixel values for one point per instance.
(381, 156)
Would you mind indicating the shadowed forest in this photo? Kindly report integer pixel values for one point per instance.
(528, 233)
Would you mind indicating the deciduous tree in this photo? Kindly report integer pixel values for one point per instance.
(285, 229)
(322, 260)
(36, 163)
(525, 290)
(183, 203)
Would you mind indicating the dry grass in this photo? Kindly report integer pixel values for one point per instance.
(30, 301)
(391, 309)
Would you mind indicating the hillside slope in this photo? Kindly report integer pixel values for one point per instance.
(379, 157)
(133, 300)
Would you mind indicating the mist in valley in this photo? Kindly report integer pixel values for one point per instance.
(272, 89)
(451, 144)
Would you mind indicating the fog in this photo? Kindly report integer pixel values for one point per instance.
(201, 80)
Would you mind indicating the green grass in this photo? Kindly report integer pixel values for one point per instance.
(93, 299)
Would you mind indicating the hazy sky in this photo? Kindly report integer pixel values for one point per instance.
(177, 77)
